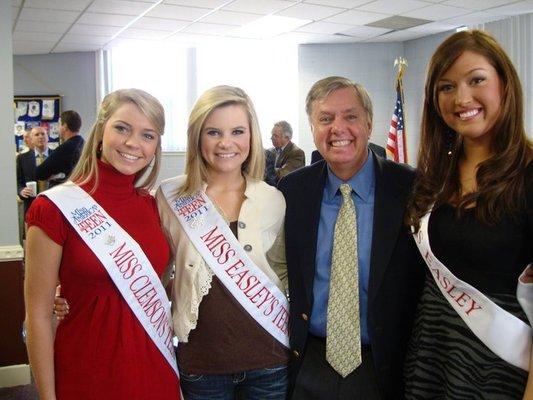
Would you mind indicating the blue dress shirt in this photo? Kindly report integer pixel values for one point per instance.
(363, 188)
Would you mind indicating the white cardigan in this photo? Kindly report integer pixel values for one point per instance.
(260, 223)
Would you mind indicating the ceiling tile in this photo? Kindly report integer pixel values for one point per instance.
(230, 18)
(105, 19)
(192, 38)
(393, 7)
(397, 36)
(146, 34)
(86, 39)
(43, 15)
(398, 22)
(98, 30)
(119, 7)
(128, 42)
(522, 7)
(364, 31)
(36, 36)
(178, 12)
(309, 11)
(434, 27)
(208, 29)
(310, 38)
(354, 17)
(262, 7)
(197, 3)
(71, 5)
(476, 4)
(323, 27)
(476, 17)
(25, 47)
(436, 12)
(159, 24)
(56, 27)
(75, 47)
(338, 3)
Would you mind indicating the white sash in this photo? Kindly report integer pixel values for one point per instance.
(220, 249)
(503, 333)
(124, 260)
(524, 294)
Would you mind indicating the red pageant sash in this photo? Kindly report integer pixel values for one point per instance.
(503, 333)
(220, 249)
(124, 260)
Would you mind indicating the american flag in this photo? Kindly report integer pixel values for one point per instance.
(396, 142)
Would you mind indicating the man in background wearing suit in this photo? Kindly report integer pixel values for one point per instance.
(287, 156)
(27, 162)
(60, 164)
(353, 272)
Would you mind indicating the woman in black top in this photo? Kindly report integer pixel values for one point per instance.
(475, 170)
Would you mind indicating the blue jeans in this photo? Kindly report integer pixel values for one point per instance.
(258, 384)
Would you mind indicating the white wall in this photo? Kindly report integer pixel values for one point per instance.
(369, 64)
(72, 75)
(417, 53)
(8, 205)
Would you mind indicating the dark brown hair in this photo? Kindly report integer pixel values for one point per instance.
(500, 179)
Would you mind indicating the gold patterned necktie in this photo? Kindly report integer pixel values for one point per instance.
(343, 342)
(41, 185)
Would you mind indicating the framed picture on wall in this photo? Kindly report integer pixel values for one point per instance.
(33, 111)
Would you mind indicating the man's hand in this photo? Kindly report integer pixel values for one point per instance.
(25, 193)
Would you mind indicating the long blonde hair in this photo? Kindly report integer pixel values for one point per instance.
(195, 165)
(86, 169)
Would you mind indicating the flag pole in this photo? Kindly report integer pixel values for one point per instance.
(402, 65)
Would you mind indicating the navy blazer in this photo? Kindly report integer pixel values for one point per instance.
(396, 269)
(26, 173)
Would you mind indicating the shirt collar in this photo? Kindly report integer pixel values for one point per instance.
(45, 152)
(362, 182)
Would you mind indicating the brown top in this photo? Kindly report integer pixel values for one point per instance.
(227, 339)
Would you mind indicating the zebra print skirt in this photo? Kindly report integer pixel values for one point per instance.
(445, 360)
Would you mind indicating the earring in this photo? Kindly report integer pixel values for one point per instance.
(99, 149)
(450, 141)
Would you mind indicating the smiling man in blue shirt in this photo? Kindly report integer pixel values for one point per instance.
(388, 267)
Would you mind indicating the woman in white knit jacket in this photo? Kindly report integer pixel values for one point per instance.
(225, 352)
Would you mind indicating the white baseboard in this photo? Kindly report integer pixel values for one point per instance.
(11, 253)
(15, 375)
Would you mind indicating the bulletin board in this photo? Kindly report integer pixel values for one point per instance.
(33, 111)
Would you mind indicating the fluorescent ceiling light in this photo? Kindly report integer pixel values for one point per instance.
(269, 26)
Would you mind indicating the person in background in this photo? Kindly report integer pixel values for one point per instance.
(353, 270)
(270, 171)
(473, 205)
(28, 161)
(287, 156)
(57, 168)
(102, 351)
(225, 351)
(28, 145)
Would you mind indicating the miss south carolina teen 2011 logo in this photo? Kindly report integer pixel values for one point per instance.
(91, 221)
(192, 208)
